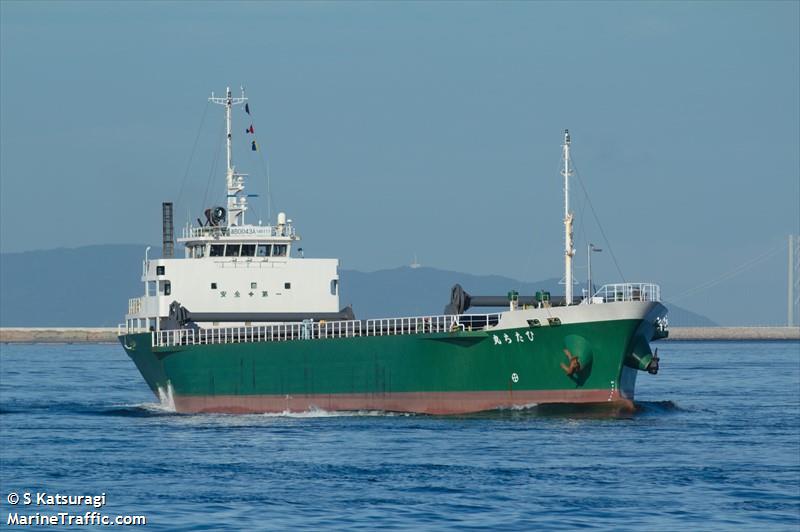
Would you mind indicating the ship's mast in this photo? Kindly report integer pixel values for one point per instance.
(237, 204)
(569, 251)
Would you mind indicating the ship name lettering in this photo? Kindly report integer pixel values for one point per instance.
(507, 339)
(242, 230)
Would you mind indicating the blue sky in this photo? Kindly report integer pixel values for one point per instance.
(430, 128)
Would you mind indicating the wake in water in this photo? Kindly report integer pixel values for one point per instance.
(658, 407)
(319, 412)
(579, 411)
(599, 411)
(166, 407)
(67, 408)
(140, 410)
(166, 398)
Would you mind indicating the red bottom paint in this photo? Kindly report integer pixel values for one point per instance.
(416, 402)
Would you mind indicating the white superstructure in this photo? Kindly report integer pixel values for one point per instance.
(231, 267)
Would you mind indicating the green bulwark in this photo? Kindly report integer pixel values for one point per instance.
(438, 373)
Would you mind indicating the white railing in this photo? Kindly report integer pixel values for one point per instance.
(323, 330)
(629, 292)
(132, 327)
(134, 305)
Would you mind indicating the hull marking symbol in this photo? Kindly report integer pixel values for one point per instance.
(613, 389)
(514, 378)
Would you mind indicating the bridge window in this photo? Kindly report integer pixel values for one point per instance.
(334, 286)
(263, 250)
(217, 250)
(232, 250)
(279, 250)
(248, 250)
(164, 287)
(159, 270)
(199, 251)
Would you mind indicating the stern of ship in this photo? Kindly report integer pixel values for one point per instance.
(138, 346)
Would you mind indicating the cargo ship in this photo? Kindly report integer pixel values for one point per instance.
(242, 322)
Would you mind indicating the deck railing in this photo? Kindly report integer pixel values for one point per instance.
(134, 305)
(280, 332)
(629, 292)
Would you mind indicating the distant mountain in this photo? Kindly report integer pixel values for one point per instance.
(414, 291)
(86, 286)
(90, 286)
(418, 291)
(680, 317)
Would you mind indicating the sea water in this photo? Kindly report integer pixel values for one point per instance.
(714, 445)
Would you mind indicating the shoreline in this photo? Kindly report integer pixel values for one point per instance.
(108, 335)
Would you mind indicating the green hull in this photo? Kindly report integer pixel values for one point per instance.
(433, 373)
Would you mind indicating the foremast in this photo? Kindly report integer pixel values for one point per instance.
(569, 250)
(237, 202)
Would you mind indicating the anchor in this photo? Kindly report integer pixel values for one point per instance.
(574, 364)
(652, 367)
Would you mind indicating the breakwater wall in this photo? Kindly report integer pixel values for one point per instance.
(58, 335)
(734, 333)
(95, 335)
